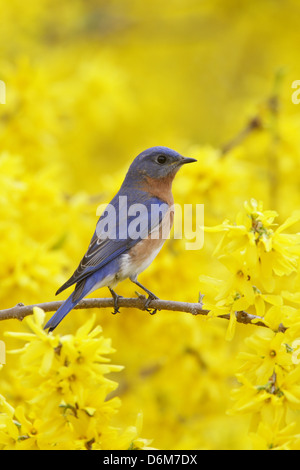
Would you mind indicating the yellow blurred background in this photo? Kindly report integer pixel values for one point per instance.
(89, 85)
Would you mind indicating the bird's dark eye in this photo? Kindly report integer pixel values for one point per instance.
(161, 159)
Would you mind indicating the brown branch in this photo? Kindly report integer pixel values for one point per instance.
(20, 311)
(254, 124)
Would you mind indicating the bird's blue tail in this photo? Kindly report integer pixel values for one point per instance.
(61, 313)
(82, 289)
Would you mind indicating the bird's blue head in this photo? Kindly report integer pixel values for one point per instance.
(156, 163)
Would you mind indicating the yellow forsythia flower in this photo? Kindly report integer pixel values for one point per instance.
(68, 405)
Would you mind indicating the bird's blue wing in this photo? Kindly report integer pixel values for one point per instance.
(120, 227)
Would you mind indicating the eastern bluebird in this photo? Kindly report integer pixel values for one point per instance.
(133, 246)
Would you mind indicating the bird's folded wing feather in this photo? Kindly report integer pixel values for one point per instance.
(123, 224)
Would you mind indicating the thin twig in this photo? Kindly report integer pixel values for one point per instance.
(254, 124)
(20, 311)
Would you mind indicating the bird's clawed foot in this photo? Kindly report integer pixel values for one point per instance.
(147, 303)
(116, 298)
(151, 296)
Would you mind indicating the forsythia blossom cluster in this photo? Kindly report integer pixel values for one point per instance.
(67, 403)
(261, 260)
(257, 255)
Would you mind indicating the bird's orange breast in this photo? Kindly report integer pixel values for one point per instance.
(144, 252)
(161, 188)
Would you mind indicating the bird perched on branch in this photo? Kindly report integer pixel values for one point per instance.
(130, 232)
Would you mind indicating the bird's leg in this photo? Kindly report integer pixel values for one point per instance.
(116, 298)
(151, 296)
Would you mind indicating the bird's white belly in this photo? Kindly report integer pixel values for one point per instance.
(143, 253)
(133, 265)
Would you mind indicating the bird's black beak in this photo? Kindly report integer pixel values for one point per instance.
(187, 160)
